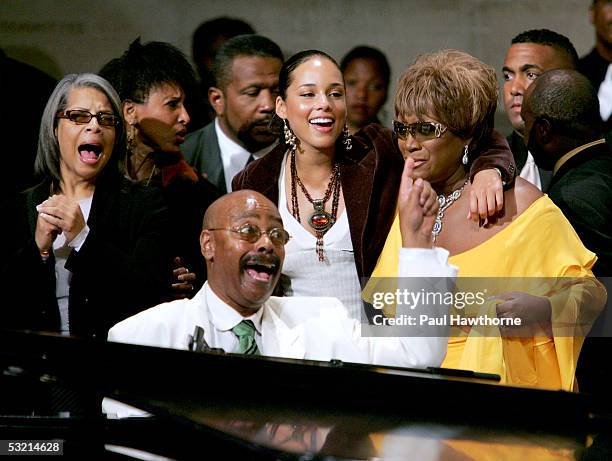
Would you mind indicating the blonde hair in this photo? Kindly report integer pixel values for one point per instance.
(455, 89)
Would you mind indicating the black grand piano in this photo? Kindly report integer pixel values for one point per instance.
(225, 406)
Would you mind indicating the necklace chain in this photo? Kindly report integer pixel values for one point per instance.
(320, 220)
(444, 203)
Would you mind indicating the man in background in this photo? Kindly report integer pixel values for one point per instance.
(244, 94)
(531, 53)
(596, 64)
(206, 41)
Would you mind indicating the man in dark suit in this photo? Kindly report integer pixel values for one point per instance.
(246, 85)
(564, 132)
(596, 64)
(531, 53)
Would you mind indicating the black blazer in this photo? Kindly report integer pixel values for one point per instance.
(122, 267)
(582, 189)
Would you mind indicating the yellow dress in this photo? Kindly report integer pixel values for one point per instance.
(539, 246)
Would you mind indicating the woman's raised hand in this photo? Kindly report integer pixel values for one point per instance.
(418, 206)
(58, 214)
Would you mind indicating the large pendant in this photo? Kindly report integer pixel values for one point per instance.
(320, 220)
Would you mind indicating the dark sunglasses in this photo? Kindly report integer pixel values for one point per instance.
(251, 233)
(420, 131)
(82, 117)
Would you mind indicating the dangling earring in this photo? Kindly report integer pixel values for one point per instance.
(465, 155)
(346, 138)
(290, 138)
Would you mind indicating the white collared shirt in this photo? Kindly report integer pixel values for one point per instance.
(233, 156)
(530, 172)
(224, 318)
(604, 94)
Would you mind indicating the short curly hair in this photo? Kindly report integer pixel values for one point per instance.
(455, 89)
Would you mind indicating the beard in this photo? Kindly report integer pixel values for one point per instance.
(260, 134)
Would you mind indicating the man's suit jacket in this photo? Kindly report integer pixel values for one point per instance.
(594, 67)
(201, 150)
(519, 150)
(582, 189)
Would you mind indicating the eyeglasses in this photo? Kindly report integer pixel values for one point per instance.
(82, 117)
(420, 131)
(251, 233)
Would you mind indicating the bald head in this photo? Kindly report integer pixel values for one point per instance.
(235, 200)
(561, 112)
(568, 101)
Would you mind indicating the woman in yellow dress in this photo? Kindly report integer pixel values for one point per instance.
(444, 107)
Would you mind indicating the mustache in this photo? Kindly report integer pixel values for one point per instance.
(274, 124)
(262, 260)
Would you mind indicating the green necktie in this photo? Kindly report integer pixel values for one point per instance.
(245, 331)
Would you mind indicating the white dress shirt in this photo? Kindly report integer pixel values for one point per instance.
(233, 156)
(224, 319)
(605, 95)
(530, 172)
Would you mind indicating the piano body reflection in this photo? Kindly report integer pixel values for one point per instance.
(227, 406)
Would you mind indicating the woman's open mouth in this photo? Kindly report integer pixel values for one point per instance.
(322, 124)
(90, 153)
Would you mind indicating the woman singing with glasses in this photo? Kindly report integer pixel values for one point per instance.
(337, 193)
(85, 247)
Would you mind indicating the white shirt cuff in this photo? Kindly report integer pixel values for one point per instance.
(78, 241)
(425, 262)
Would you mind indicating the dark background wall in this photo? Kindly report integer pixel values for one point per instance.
(62, 36)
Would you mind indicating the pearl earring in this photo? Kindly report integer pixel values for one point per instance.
(465, 155)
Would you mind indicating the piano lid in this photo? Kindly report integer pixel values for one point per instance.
(322, 408)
